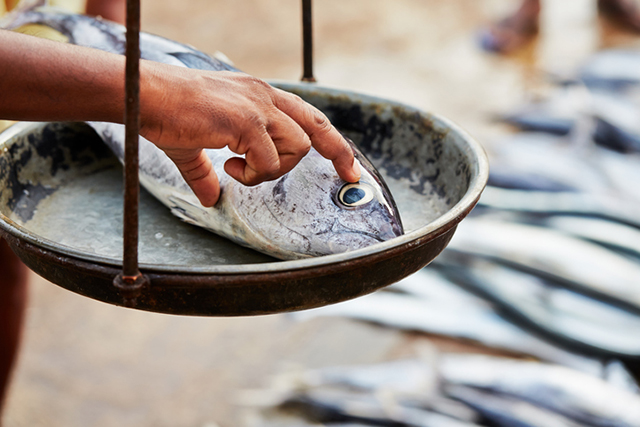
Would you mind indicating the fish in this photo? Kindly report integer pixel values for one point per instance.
(569, 319)
(411, 382)
(556, 115)
(622, 172)
(431, 285)
(580, 397)
(597, 205)
(521, 180)
(447, 389)
(307, 212)
(506, 411)
(407, 378)
(609, 119)
(543, 163)
(335, 405)
(537, 120)
(538, 162)
(610, 234)
(616, 122)
(466, 317)
(614, 70)
(618, 374)
(575, 263)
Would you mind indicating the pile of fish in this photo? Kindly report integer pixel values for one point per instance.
(546, 270)
(444, 390)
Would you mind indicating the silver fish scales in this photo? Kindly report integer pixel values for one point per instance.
(578, 396)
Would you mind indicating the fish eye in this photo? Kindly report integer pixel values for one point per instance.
(353, 195)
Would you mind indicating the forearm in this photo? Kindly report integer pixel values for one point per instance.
(182, 111)
(45, 80)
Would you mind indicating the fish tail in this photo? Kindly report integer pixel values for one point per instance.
(28, 5)
(18, 16)
(31, 4)
(37, 18)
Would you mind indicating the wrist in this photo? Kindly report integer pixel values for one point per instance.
(155, 84)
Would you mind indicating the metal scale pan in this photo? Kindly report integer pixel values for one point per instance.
(61, 212)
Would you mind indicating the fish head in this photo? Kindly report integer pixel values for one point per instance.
(311, 211)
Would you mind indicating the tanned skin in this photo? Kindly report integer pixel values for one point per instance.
(182, 110)
(112, 10)
(13, 297)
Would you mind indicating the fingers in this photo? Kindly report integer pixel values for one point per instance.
(324, 137)
(196, 169)
(273, 129)
(274, 151)
(291, 141)
(261, 161)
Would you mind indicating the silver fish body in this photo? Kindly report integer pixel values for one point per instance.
(443, 308)
(556, 115)
(336, 405)
(612, 69)
(506, 411)
(616, 122)
(610, 234)
(299, 215)
(534, 161)
(576, 263)
(583, 398)
(610, 119)
(544, 202)
(571, 319)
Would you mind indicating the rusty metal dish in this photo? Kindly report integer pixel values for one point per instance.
(61, 212)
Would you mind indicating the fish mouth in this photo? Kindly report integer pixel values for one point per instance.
(386, 192)
(386, 232)
(390, 231)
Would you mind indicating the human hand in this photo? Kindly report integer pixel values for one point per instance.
(185, 110)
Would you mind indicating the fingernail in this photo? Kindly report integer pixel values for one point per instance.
(356, 169)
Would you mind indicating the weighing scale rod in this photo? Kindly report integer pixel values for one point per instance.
(130, 281)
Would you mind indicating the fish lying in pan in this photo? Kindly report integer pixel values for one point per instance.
(308, 212)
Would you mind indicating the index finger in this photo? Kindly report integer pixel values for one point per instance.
(196, 169)
(324, 137)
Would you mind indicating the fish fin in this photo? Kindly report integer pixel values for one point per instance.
(222, 57)
(181, 208)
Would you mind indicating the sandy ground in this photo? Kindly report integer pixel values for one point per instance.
(85, 363)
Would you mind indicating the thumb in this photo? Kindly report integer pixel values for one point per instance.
(196, 169)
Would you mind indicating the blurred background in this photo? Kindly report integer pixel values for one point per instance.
(85, 363)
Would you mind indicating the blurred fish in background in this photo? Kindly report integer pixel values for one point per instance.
(545, 274)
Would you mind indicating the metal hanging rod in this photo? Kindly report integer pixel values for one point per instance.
(131, 281)
(307, 42)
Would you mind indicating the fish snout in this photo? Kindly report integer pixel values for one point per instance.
(389, 231)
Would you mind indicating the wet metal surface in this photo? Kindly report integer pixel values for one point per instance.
(71, 236)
